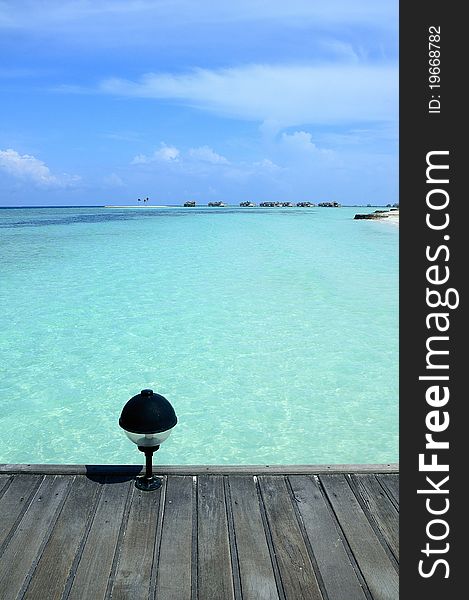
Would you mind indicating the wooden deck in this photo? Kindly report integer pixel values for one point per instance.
(208, 534)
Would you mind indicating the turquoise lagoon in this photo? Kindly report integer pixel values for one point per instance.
(273, 332)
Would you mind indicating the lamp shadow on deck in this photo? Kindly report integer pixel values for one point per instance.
(110, 474)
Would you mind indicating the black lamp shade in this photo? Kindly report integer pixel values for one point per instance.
(147, 418)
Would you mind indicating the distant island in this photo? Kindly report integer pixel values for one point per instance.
(391, 214)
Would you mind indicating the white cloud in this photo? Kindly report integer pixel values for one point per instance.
(266, 165)
(301, 142)
(264, 169)
(68, 16)
(28, 167)
(340, 50)
(113, 180)
(360, 137)
(164, 154)
(206, 154)
(287, 95)
(194, 160)
(140, 159)
(167, 153)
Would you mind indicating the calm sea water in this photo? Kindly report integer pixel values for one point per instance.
(273, 332)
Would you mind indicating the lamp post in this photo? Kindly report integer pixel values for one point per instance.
(147, 420)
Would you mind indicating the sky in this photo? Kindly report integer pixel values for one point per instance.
(107, 101)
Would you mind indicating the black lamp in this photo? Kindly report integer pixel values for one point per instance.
(147, 420)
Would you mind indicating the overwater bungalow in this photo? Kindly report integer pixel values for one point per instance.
(330, 204)
(247, 203)
(216, 204)
(189, 203)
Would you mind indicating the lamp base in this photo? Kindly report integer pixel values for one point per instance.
(148, 484)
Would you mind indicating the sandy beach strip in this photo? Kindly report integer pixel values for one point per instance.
(392, 217)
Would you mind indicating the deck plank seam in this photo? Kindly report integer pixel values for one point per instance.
(120, 537)
(6, 485)
(309, 548)
(385, 478)
(345, 542)
(392, 501)
(270, 543)
(79, 553)
(372, 521)
(237, 587)
(194, 540)
(19, 518)
(47, 534)
(158, 538)
(388, 493)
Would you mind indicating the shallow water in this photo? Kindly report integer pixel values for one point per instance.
(273, 332)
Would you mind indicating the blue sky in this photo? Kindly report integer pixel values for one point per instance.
(105, 101)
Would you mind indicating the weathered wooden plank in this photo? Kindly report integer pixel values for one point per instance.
(200, 469)
(22, 551)
(255, 564)
(337, 572)
(14, 503)
(296, 570)
(176, 541)
(93, 570)
(133, 574)
(232, 540)
(381, 509)
(375, 565)
(215, 578)
(390, 482)
(55, 564)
